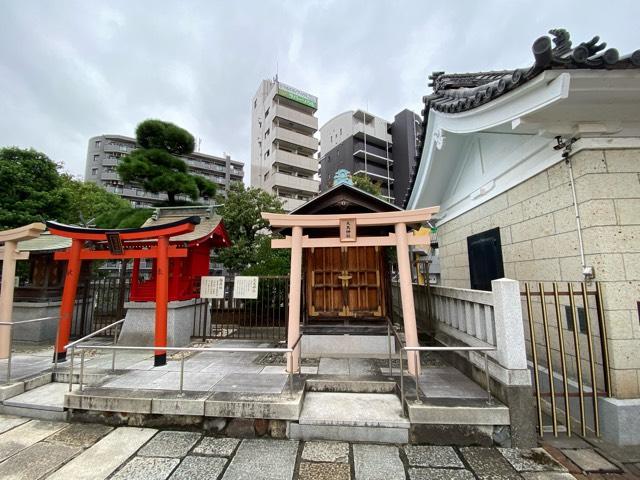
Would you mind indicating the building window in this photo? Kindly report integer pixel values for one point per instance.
(266, 154)
(255, 103)
(98, 143)
(94, 172)
(266, 113)
(267, 132)
(582, 318)
(96, 158)
(485, 259)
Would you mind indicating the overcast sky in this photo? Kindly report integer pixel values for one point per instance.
(70, 70)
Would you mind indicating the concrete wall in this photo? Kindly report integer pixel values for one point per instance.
(540, 243)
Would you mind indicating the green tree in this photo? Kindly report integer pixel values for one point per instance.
(86, 200)
(155, 166)
(29, 188)
(363, 182)
(250, 249)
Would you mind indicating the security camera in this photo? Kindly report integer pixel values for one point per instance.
(560, 143)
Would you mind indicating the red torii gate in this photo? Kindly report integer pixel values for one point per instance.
(120, 244)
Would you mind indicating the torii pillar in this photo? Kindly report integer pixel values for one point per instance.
(9, 254)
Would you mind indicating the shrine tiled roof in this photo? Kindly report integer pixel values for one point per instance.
(45, 243)
(460, 92)
(209, 221)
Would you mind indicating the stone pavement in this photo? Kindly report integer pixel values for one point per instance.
(34, 449)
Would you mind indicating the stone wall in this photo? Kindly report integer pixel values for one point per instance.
(540, 244)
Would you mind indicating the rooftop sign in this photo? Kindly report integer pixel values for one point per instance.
(296, 95)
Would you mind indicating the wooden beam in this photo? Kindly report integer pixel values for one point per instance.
(16, 255)
(387, 241)
(362, 219)
(174, 252)
(33, 230)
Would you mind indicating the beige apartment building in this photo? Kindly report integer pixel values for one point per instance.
(283, 146)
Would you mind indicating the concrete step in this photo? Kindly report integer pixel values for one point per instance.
(347, 384)
(45, 402)
(357, 417)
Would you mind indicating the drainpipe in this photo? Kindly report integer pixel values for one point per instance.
(565, 145)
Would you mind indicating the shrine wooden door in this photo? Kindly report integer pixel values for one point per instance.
(345, 282)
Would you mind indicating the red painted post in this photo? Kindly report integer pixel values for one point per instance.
(69, 297)
(162, 298)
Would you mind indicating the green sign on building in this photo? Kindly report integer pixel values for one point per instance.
(297, 95)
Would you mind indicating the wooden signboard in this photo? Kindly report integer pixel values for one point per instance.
(212, 287)
(245, 287)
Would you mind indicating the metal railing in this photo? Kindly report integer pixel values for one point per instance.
(10, 354)
(392, 332)
(115, 348)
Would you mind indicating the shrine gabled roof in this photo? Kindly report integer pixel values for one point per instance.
(345, 198)
(210, 223)
(45, 243)
(455, 93)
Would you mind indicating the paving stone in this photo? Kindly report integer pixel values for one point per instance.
(80, 434)
(263, 459)
(202, 468)
(488, 463)
(170, 444)
(324, 471)
(37, 461)
(7, 422)
(432, 456)
(377, 462)
(439, 474)
(547, 476)
(106, 456)
(216, 447)
(25, 435)
(589, 460)
(363, 367)
(333, 366)
(147, 468)
(251, 383)
(337, 452)
(531, 460)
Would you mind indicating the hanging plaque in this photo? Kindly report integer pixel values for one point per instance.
(245, 287)
(212, 287)
(348, 230)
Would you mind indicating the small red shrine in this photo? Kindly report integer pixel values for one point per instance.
(177, 239)
(184, 273)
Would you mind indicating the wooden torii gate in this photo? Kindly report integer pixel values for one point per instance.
(120, 244)
(9, 254)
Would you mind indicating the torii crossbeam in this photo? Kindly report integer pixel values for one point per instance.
(120, 244)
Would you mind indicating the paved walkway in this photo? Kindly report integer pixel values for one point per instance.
(34, 449)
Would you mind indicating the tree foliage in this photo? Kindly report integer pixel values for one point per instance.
(250, 249)
(29, 188)
(127, 217)
(363, 182)
(155, 166)
(33, 189)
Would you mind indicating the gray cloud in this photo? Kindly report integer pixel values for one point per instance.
(73, 69)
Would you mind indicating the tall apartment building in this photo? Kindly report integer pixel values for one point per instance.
(364, 143)
(283, 148)
(105, 151)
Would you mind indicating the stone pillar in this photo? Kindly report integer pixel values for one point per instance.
(6, 296)
(295, 284)
(406, 294)
(510, 344)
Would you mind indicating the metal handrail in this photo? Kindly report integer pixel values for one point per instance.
(484, 349)
(10, 355)
(93, 334)
(115, 348)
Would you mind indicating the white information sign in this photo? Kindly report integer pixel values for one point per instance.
(245, 287)
(212, 287)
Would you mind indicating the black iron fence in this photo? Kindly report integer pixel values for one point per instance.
(263, 318)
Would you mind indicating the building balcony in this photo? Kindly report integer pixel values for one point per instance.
(299, 162)
(109, 175)
(295, 116)
(290, 204)
(295, 139)
(290, 182)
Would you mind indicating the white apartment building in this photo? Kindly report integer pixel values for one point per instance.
(283, 146)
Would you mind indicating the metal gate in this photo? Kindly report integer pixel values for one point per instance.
(99, 302)
(568, 355)
(263, 318)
